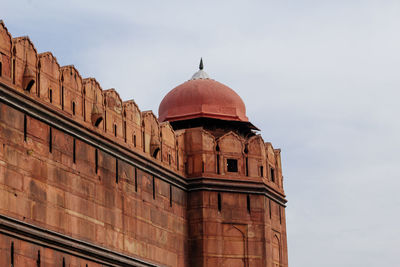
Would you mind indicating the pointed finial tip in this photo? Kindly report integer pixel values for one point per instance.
(201, 64)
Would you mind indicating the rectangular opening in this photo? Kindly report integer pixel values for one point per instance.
(51, 140)
(218, 171)
(202, 166)
(247, 166)
(96, 160)
(38, 259)
(25, 127)
(232, 165)
(134, 140)
(261, 171)
(115, 130)
(73, 108)
(154, 188)
(170, 195)
(280, 215)
(219, 202)
(12, 254)
(74, 151)
(272, 174)
(51, 96)
(63, 264)
(248, 203)
(135, 180)
(116, 170)
(1, 68)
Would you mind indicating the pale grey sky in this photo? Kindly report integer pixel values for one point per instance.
(319, 78)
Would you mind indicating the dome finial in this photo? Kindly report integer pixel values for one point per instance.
(200, 74)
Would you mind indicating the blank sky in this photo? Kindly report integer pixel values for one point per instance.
(319, 78)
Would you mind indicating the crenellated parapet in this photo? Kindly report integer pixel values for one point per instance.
(63, 89)
(231, 155)
(192, 152)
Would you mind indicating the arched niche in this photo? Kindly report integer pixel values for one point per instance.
(276, 251)
(231, 143)
(256, 146)
(234, 245)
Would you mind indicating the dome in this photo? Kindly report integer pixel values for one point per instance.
(202, 97)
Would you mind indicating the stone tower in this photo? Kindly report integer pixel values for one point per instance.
(236, 202)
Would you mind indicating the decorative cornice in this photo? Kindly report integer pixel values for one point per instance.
(235, 186)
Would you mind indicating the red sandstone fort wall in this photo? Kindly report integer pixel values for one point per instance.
(116, 207)
(55, 180)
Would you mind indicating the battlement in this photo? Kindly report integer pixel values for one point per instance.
(40, 77)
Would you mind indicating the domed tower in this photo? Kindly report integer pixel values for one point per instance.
(202, 101)
(236, 201)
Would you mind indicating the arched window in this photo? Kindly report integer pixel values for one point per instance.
(276, 251)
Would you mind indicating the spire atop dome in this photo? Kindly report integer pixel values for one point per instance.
(201, 74)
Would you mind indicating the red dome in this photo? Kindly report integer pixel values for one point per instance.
(199, 98)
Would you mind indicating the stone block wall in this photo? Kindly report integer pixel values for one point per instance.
(50, 179)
